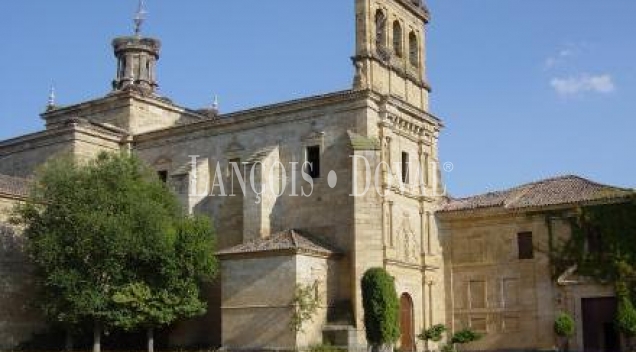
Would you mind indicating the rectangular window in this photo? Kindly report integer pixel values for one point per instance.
(405, 167)
(594, 241)
(163, 176)
(526, 248)
(231, 164)
(235, 176)
(313, 161)
(426, 165)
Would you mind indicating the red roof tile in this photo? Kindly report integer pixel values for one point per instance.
(554, 191)
(282, 241)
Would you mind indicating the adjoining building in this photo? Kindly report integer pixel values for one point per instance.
(455, 261)
(498, 268)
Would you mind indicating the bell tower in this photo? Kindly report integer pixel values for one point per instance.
(390, 49)
(137, 58)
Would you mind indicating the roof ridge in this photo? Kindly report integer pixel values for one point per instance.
(563, 189)
(523, 191)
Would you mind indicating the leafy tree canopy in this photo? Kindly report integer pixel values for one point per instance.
(111, 244)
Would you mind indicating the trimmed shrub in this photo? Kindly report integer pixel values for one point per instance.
(465, 336)
(381, 307)
(564, 325)
(434, 333)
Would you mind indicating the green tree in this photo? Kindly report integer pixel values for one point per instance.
(564, 327)
(111, 245)
(172, 290)
(381, 308)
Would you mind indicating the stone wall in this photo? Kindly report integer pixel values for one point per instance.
(18, 318)
(23, 155)
(492, 290)
(514, 301)
(256, 302)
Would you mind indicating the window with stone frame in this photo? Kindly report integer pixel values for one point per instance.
(525, 245)
(414, 51)
(405, 167)
(380, 29)
(397, 39)
(312, 156)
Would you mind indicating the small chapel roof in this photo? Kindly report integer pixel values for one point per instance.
(549, 192)
(14, 186)
(285, 241)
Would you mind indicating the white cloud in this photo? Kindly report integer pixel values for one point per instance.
(559, 58)
(583, 83)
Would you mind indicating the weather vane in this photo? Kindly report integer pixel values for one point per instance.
(140, 17)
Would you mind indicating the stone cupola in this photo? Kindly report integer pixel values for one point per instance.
(137, 58)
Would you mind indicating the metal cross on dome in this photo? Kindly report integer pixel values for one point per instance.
(140, 17)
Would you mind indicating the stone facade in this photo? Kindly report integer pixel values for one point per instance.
(18, 318)
(447, 259)
(506, 289)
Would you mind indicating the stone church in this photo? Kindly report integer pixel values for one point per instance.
(473, 262)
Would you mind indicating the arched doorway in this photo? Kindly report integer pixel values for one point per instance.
(407, 338)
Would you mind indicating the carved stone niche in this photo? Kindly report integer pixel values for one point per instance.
(408, 247)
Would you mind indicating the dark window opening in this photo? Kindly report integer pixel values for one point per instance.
(405, 167)
(313, 161)
(397, 38)
(526, 248)
(380, 29)
(594, 240)
(234, 175)
(414, 50)
(163, 176)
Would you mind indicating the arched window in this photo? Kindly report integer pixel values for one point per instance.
(380, 29)
(397, 38)
(414, 51)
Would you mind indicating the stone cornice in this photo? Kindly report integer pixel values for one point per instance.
(420, 11)
(397, 69)
(68, 131)
(124, 99)
(253, 118)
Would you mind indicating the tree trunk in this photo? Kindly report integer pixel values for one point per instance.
(68, 343)
(151, 340)
(97, 337)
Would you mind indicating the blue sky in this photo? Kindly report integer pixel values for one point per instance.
(527, 89)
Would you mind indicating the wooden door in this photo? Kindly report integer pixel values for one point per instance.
(599, 330)
(407, 338)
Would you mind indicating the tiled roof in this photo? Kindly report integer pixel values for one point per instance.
(553, 191)
(14, 186)
(288, 240)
